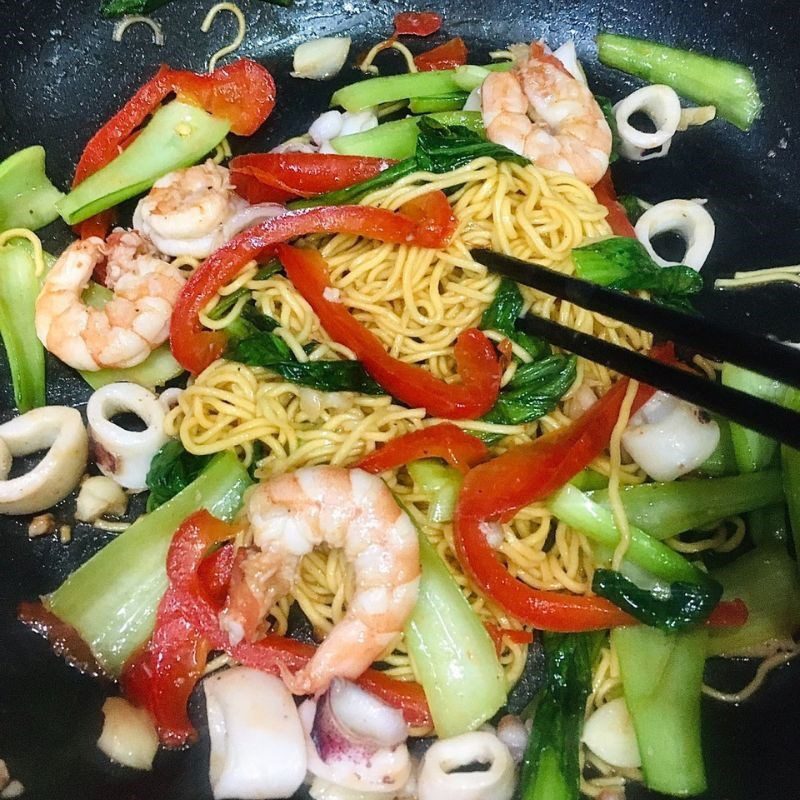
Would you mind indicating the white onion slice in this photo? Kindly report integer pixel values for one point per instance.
(669, 437)
(695, 116)
(568, 56)
(320, 59)
(257, 743)
(511, 731)
(609, 734)
(688, 219)
(662, 106)
(473, 102)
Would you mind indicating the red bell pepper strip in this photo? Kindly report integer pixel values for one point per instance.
(449, 55)
(427, 221)
(617, 218)
(497, 489)
(242, 92)
(476, 359)
(161, 678)
(278, 177)
(728, 614)
(417, 23)
(447, 441)
(497, 635)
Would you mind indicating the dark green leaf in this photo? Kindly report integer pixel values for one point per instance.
(118, 8)
(229, 301)
(440, 148)
(443, 148)
(622, 263)
(611, 119)
(503, 312)
(262, 349)
(551, 767)
(633, 208)
(171, 470)
(534, 391)
(329, 376)
(268, 350)
(671, 609)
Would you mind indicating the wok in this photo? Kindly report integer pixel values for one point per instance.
(61, 76)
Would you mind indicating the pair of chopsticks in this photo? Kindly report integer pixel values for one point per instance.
(760, 354)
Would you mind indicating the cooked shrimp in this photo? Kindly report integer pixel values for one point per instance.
(130, 326)
(542, 112)
(291, 515)
(194, 211)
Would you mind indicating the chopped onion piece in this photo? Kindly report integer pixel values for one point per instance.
(687, 218)
(99, 496)
(662, 106)
(609, 734)
(320, 59)
(129, 736)
(700, 115)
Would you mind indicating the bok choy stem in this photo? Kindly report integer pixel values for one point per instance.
(452, 652)
(667, 509)
(661, 677)
(111, 600)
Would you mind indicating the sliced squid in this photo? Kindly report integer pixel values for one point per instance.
(669, 437)
(60, 431)
(568, 56)
(689, 220)
(121, 454)
(258, 748)
(662, 106)
(440, 778)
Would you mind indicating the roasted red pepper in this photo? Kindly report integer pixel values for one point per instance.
(476, 359)
(447, 441)
(417, 23)
(449, 55)
(161, 678)
(427, 221)
(617, 218)
(242, 92)
(278, 177)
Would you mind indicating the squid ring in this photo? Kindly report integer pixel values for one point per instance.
(58, 428)
(121, 454)
(662, 106)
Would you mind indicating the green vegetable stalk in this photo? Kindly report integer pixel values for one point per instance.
(452, 653)
(753, 450)
(790, 465)
(176, 136)
(551, 767)
(27, 198)
(669, 508)
(111, 600)
(766, 579)
(389, 89)
(723, 460)
(398, 139)
(705, 80)
(443, 102)
(19, 287)
(576, 509)
(441, 483)
(661, 677)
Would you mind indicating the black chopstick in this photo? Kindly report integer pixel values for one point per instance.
(758, 353)
(759, 415)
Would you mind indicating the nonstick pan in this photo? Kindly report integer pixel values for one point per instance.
(61, 76)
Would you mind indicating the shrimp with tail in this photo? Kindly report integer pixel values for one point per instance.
(292, 514)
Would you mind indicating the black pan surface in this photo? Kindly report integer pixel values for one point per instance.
(61, 76)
